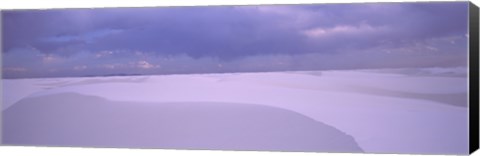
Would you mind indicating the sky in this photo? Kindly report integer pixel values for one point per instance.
(224, 39)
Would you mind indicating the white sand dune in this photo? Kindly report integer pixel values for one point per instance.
(71, 119)
(385, 112)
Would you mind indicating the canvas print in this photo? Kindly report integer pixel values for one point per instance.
(355, 78)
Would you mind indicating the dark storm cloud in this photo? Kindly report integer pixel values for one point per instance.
(225, 38)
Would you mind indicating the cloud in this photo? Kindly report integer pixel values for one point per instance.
(80, 67)
(15, 69)
(49, 58)
(363, 29)
(88, 37)
(232, 38)
(146, 65)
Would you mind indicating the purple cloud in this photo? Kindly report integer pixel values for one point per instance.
(145, 40)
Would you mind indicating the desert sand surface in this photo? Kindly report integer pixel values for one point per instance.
(89, 121)
(416, 111)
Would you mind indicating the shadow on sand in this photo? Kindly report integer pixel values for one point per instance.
(70, 119)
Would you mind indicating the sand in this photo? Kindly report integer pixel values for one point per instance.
(414, 111)
(71, 119)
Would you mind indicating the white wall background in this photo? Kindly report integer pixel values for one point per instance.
(71, 151)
